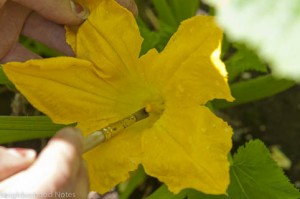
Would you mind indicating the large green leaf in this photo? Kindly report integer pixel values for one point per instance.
(255, 175)
(193, 194)
(19, 128)
(272, 27)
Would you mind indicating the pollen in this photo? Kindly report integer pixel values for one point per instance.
(155, 107)
(148, 108)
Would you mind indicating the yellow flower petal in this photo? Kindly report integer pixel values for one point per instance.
(109, 38)
(111, 162)
(188, 148)
(148, 74)
(198, 81)
(189, 67)
(70, 90)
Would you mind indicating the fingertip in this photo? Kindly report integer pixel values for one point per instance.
(79, 10)
(61, 156)
(72, 135)
(66, 12)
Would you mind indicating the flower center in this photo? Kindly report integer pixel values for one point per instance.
(156, 108)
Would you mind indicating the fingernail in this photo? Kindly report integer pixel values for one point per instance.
(23, 153)
(79, 10)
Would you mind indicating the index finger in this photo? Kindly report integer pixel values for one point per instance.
(67, 12)
(60, 160)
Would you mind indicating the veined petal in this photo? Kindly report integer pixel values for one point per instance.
(197, 81)
(189, 66)
(188, 148)
(149, 75)
(111, 162)
(70, 90)
(109, 38)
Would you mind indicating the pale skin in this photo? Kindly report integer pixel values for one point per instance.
(59, 168)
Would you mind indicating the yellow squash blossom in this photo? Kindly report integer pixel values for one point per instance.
(182, 143)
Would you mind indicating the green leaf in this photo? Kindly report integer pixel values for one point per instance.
(254, 89)
(170, 14)
(3, 78)
(272, 27)
(38, 47)
(151, 38)
(155, 39)
(193, 194)
(184, 9)
(163, 193)
(244, 60)
(255, 175)
(136, 179)
(19, 128)
(165, 13)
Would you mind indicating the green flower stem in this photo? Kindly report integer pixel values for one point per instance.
(254, 89)
(19, 128)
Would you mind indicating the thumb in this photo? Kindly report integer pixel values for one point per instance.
(130, 5)
(68, 12)
(14, 160)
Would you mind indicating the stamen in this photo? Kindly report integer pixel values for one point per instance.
(148, 108)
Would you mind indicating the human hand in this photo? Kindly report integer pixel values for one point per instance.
(41, 21)
(58, 172)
